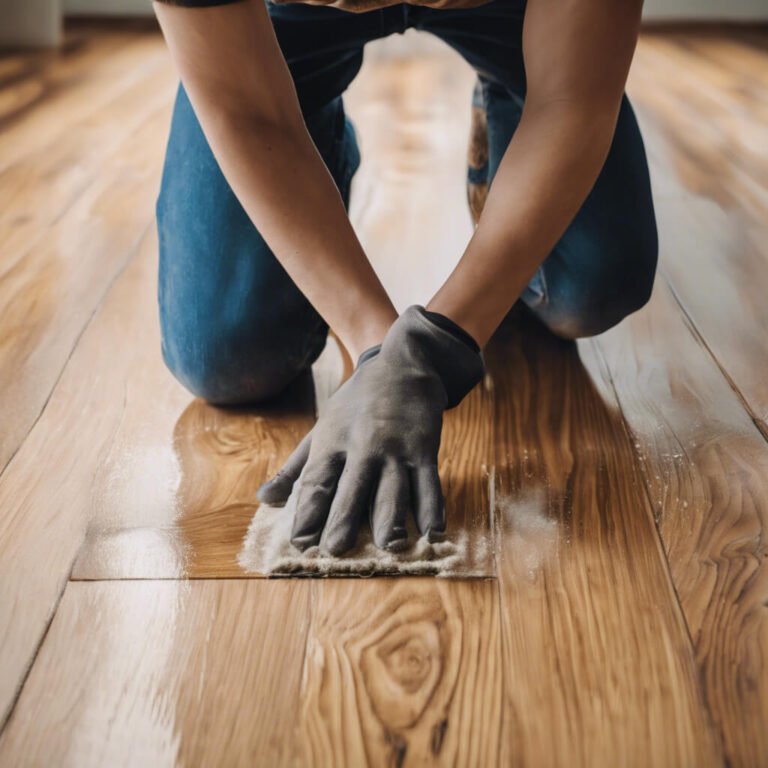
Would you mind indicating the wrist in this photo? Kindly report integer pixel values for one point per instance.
(465, 318)
(369, 331)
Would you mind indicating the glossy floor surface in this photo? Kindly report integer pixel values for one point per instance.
(625, 477)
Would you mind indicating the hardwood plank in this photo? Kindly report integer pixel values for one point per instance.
(77, 84)
(166, 673)
(725, 300)
(712, 202)
(210, 462)
(25, 71)
(705, 466)
(598, 664)
(403, 672)
(48, 296)
(581, 657)
(38, 188)
(740, 51)
(408, 671)
(411, 108)
(719, 118)
(47, 491)
(182, 673)
(127, 454)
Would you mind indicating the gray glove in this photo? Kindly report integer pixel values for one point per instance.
(375, 446)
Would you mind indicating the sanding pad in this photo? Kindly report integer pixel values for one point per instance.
(267, 550)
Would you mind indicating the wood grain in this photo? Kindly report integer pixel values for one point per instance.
(402, 673)
(705, 466)
(38, 188)
(717, 113)
(74, 82)
(408, 203)
(171, 673)
(72, 214)
(579, 654)
(704, 461)
(598, 663)
(49, 295)
(408, 672)
(47, 490)
(112, 458)
(707, 137)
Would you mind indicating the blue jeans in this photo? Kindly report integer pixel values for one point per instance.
(236, 329)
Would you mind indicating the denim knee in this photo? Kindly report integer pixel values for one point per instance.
(235, 328)
(598, 298)
(225, 369)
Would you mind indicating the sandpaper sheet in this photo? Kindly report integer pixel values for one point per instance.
(267, 550)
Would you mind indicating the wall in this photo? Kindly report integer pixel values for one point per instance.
(116, 7)
(738, 10)
(654, 9)
(30, 22)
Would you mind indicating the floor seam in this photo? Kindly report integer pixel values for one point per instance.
(83, 190)
(699, 336)
(132, 251)
(68, 578)
(20, 689)
(629, 434)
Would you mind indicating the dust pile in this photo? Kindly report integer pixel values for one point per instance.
(267, 550)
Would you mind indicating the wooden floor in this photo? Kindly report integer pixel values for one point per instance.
(626, 477)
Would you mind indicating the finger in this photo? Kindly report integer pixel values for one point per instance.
(277, 490)
(429, 508)
(390, 507)
(313, 501)
(352, 501)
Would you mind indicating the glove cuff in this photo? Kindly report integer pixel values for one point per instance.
(367, 354)
(448, 325)
(446, 347)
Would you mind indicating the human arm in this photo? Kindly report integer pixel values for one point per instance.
(383, 427)
(243, 95)
(577, 55)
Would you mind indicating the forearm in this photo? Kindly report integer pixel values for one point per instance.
(284, 186)
(577, 55)
(546, 173)
(245, 100)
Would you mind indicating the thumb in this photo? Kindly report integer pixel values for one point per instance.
(277, 490)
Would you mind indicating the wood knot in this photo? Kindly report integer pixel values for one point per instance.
(409, 663)
(402, 671)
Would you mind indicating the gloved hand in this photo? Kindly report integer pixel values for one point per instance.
(375, 446)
